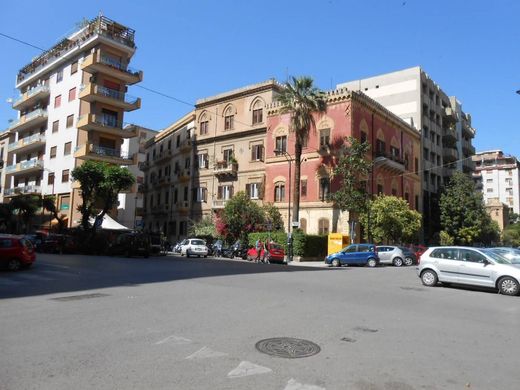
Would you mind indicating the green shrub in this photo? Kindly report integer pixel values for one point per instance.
(303, 245)
(316, 246)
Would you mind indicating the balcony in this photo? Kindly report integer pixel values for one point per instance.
(449, 155)
(97, 93)
(26, 190)
(99, 62)
(468, 149)
(164, 180)
(450, 116)
(109, 155)
(24, 167)
(224, 168)
(30, 97)
(184, 175)
(161, 209)
(219, 203)
(33, 118)
(183, 207)
(186, 146)
(27, 143)
(162, 156)
(144, 165)
(468, 130)
(106, 124)
(449, 137)
(390, 162)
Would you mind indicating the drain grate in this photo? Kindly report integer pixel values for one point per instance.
(79, 297)
(288, 347)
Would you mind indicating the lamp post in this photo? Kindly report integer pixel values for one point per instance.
(376, 161)
(289, 237)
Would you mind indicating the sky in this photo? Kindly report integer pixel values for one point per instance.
(191, 49)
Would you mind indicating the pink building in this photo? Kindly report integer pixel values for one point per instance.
(395, 151)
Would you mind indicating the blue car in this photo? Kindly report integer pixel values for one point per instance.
(355, 254)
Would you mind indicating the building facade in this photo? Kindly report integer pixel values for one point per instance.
(497, 175)
(71, 107)
(446, 132)
(395, 152)
(167, 188)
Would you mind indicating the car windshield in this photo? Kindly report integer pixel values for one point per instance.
(197, 242)
(496, 257)
(275, 246)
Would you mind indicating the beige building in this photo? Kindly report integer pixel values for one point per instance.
(167, 186)
(230, 141)
(498, 211)
(70, 109)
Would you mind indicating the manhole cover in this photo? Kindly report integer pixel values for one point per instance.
(288, 347)
(79, 297)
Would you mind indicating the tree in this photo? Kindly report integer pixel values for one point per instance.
(514, 218)
(302, 100)
(511, 235)
(49, 203)
(240, 217)
(273, 216)
(6, 218)
(463, 215)
(100, 184)
(25, 206)
(352, 169)
(392, 219)
(205, 227)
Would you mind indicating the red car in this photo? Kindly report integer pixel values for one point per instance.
(16, 252)
(275, 253)
(418, 250)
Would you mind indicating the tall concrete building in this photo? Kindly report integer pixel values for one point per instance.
(497, 175)
(70, 109)
(446, 132)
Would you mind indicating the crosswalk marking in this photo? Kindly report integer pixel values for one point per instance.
(247, 368)
(293, 385)
(205, 353)
(175, 340)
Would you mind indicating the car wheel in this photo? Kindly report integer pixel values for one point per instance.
(336, 263)
(371, 262)
(188, 253)
(429, 278)
(398, 262)
(14, 265)
(408, 261)
(508, 286)
(205, 256)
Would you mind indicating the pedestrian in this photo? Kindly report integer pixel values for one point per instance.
(258, 248)
(265, 257)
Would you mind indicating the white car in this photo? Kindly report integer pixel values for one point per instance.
(467, 265)
(194, 247)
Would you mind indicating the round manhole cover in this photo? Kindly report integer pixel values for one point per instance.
(288, 347)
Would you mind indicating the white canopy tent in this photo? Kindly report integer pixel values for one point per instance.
(109, 223)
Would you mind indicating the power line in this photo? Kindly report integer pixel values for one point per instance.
(20, 41)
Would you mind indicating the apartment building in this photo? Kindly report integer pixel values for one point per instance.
(130, 209)
(70, 109)
(446, 131)
(230, 146)
(497, 175)
(395, 153)
(167, 188)
(4, 142)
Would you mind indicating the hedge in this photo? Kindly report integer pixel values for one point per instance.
(303, 245)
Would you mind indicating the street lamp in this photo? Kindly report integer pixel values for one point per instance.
(289, 237)
(376, 161)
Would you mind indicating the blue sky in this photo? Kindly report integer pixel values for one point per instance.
(194, 49)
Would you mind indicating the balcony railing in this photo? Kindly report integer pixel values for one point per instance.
(27, 141)
(225, 168)
(107, 124)
(24, 99)
(219, 203)
(94, 92)
(24, 166)
(390, 161)
(100, 153)
(26, 120)
(103, 151)
(33, 189)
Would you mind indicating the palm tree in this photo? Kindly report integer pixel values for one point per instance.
(302, 100)
(49, 204)
(26, 207)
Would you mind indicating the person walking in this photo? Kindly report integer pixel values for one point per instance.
(258, 247)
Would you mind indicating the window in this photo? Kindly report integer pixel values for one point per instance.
(489, 180)
(323, 226)
(228, 122)
(224, 192)
(57, 101)
(380, 147)
(489, 190)
(178, 141)
(67, 148)
(74, 67)
(257, 116)
(257, 153)
(50, 178)
(380, 189)
(200, 194)
(471, 256)
(109, 118)
(70, 121)
(204, 128)
(55, 126)
(446, 253)
(187, 163)
(281, 143)
(395, 152)
(363, 137)
(279, 192)
(65, 176)
(65, 202)
(175, 196)
(253, 190)
(303, 225)
(324, 189)
(324, 138)
(72, 94)
(59, 76)
(228, 155)
(303, 188)
(169, 144)
(203, 160)
(53, 152)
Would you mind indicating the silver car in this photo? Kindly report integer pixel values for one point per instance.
(194, 247)
(512, 254)
(392, 255)
(472, 266)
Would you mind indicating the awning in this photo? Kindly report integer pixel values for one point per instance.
(109, 223)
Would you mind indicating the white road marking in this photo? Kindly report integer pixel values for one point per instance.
(9, 282)
(175, 340)
(27, 277)
(247, 368)
(205, 353)
(293, 385)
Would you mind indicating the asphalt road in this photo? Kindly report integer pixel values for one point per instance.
(176, 323)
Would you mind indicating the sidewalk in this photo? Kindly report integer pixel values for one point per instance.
(318, 264)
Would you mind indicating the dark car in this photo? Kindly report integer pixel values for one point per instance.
(58, 243)
(410, 258)
(16, 252)
(131, 244)
(355, 254)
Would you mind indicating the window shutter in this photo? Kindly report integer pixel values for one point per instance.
(260, 190)
(205, 195)
(194, 194)
(253, 154)
(231, 192)
(219, 192)
(248, 190)
(261, 152)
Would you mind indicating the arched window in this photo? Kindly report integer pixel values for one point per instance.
(323, 226)
(258, 112)
(279, 192)
(204, 124)
(303, 225)
(229, 118)
(324, 190)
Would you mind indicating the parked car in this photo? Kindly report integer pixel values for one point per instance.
(418, 250)
(130, 244)
(273, 253)
(58, 243)
(410, 258)
(511, 254)
(470, 266)
(16, 252)
(355, 254)
(390, 255)
(194, 247)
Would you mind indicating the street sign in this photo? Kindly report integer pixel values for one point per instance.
(295, 224)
